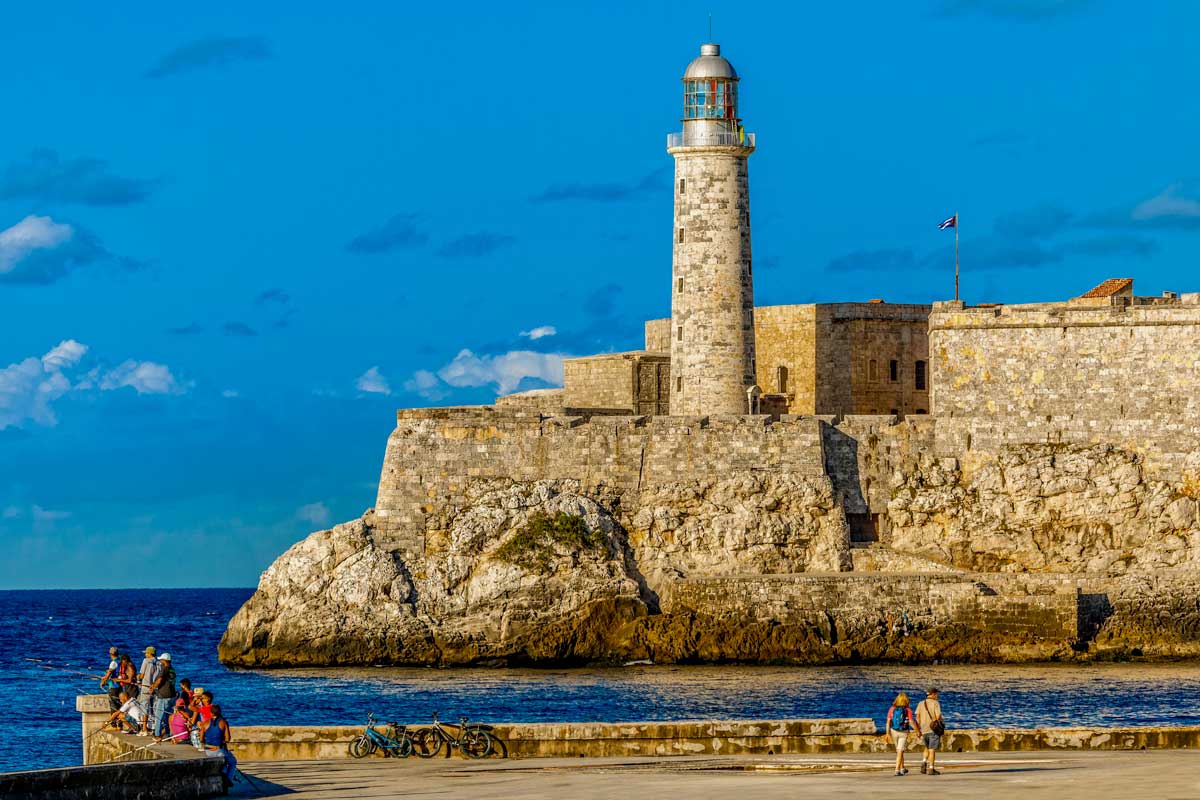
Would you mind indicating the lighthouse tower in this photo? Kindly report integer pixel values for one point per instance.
(712, 293)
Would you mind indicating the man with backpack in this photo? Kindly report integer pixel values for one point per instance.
(929, 719)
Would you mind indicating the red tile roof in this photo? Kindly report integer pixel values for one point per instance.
(1110, 288)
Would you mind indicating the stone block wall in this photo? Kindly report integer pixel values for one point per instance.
(826, 352)
(638, 381)
(1126, 372)
(969, 601)
(433, 455)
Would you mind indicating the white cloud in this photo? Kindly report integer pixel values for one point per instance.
(540, 332)
(144, 377)
(1170, 203)
(316, 513)
(28, 236)
(427, 385)
(231, 393)
(66, 353)
(373, 382)
(29, 388)
(505, 371)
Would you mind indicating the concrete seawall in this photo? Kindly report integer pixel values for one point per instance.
(692, 737)
(153, 778)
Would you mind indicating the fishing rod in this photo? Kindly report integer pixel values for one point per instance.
(103, 634)
(70, 671)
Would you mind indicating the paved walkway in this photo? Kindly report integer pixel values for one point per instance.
(1160, 774)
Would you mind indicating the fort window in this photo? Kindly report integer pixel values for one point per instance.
(873, 370)
(679, 286)
(681, 234)
(919, 376)
(679, 334)
(893, 371)
(682, 186)
(679, 384)
(920, 411)
(781, 375)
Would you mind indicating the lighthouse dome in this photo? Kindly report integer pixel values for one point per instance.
(710, 64)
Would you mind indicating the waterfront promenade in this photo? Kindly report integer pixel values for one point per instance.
(1162, 774)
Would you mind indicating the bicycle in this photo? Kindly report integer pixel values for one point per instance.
(396, 742)
(473, 741)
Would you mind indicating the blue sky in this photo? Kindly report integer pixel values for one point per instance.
(235, 237)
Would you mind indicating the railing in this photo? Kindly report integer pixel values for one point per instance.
(720, 139)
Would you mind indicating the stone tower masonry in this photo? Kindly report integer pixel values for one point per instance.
(712, 293)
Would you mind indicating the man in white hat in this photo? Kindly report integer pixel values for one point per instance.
(164, 696)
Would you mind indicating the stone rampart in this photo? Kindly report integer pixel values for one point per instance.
(973, 602)
(1126, 373)
(434, 454)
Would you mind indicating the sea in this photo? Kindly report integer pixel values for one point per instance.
(53, 642)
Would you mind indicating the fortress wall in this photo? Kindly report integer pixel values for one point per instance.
(884, 599)
(658, 335)
(1128, 374)
(434, 455)
(786, 336)
(599, 382)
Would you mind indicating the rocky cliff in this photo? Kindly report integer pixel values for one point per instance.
(1033, 552)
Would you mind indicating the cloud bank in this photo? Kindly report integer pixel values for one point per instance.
(29, 388)
(38, 251)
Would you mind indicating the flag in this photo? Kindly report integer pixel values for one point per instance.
(950, 223)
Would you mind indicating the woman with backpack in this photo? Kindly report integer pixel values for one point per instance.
(897, 723)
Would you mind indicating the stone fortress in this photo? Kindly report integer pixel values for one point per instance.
(828, 483)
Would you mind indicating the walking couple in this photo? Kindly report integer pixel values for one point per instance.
(927, 722)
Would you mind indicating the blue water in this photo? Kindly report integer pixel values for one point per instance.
(72, 630)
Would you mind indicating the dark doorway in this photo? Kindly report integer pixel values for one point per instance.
(862, 528)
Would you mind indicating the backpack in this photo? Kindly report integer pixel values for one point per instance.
(899, 719)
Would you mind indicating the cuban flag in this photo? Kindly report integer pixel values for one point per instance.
(950, 223)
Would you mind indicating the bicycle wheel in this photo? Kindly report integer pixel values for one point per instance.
(426, 743)
(362, 747)
(475, 743)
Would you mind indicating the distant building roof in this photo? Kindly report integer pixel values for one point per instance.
(1111, 288)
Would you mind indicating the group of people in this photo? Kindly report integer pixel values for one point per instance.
(926, 722)
(147, 701)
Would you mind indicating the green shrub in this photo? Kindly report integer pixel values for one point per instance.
(534, 545)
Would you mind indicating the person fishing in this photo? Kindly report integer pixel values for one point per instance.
(164, 697)
(147, 676)
(108, 683)
(126, 676)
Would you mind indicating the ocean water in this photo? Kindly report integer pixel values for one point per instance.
(72, 630)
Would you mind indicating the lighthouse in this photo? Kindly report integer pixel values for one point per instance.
(712, 290)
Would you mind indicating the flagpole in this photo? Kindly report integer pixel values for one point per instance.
(956, 255)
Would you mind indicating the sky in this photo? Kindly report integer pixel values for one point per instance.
(234, 237)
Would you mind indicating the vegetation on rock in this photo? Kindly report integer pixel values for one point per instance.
(536, 543)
